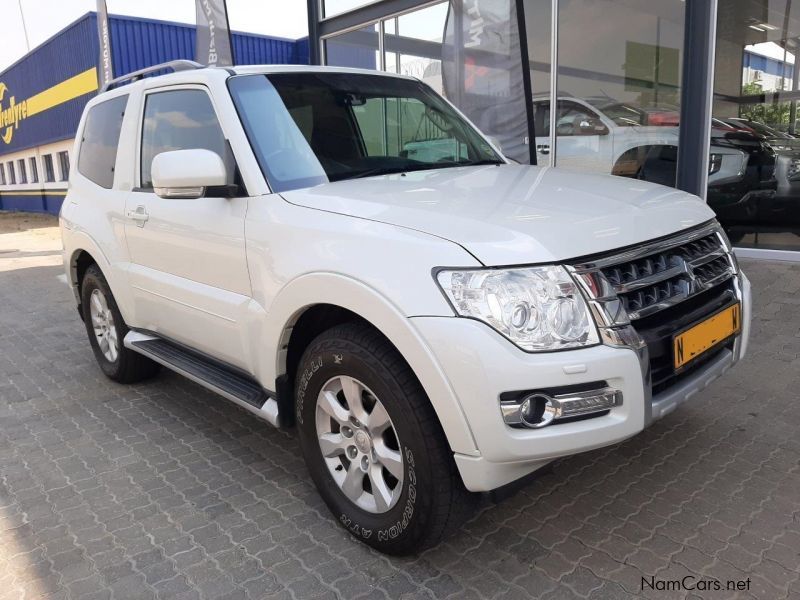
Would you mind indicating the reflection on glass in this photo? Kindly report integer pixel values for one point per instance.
(358, 49)
(755, 110)
(619, 73)
(413, 42)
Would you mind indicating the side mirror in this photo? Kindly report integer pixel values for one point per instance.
(187, 174)
(592, 126)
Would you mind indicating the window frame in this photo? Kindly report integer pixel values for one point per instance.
(140, 126)
(34, 169)
(59, 155)
(23, 171)
(49, 174)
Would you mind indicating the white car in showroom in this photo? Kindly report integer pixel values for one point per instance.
(433, 324)
(603, 135)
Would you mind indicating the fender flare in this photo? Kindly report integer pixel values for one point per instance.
(343, 291)
(80, 241)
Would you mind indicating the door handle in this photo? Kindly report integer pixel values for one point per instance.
(543, 148)
(139, 215)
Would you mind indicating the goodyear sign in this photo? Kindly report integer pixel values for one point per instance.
(14, 111)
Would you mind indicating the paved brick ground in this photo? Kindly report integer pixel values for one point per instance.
(164, 490)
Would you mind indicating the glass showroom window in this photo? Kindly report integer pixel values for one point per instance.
(618, 105)
(49, 170)
(34, 170)
(756, 90)
(336, 7)
(413, 44)
(358, 49)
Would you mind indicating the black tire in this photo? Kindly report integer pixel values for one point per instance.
(129, 366)
(433, 501)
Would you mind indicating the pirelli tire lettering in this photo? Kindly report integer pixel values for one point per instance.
(302, 385)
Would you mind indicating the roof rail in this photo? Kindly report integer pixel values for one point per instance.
(175, 65)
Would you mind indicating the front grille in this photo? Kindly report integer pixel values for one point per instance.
(664, 287)
(653, 282)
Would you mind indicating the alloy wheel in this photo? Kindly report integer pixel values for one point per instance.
(105, 331)
(359, 444)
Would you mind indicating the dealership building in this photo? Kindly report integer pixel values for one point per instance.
(696, 94)
(666, 90)
(42, 95)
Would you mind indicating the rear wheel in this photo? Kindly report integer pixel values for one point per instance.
(107, 329)
(373, 444)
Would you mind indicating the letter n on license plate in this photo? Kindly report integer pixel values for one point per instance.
(705, 335)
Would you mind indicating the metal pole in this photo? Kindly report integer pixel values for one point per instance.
(40, 172)
(697, 94)
(527, 87)
(793, 102)
(314, 43)
(230, 32)
(553, 81)
(24, 27)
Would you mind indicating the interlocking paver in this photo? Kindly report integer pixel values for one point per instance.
(164, 490)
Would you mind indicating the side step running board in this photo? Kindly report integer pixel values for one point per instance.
(215, 376)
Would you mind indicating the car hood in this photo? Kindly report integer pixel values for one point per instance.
(514, 214)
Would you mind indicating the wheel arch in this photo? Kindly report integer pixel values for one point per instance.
(315, 302)
(79, 262)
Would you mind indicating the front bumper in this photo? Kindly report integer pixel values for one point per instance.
(481, 364)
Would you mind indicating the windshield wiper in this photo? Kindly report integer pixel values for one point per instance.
(477, 163)
(422, 167)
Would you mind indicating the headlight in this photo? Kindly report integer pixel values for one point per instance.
(537, 308)
(714, 163)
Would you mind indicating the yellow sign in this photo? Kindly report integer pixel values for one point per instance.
(12, 113)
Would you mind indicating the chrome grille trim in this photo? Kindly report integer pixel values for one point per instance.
(639, 282)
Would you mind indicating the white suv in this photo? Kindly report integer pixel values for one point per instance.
(432, 325)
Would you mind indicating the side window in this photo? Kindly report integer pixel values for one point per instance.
(12, 177)
(178, 120)
(63, 165)
(2, 174)
(34, 170)
(98, 153)
(49, 171)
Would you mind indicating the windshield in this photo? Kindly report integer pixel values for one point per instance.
(759, 128)
(309, 128)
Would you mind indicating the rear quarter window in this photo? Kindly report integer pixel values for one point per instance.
(98, 153)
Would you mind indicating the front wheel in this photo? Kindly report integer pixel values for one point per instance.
(107, 330)
(373, 444)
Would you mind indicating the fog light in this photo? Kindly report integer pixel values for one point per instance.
(539, 409)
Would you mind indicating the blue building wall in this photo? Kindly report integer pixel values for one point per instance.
(71, 54)
(138, 43)
(767, 65)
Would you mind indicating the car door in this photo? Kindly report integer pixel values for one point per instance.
(584, 142)
(188, 264)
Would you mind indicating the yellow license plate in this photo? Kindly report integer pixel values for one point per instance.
(693, 342)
